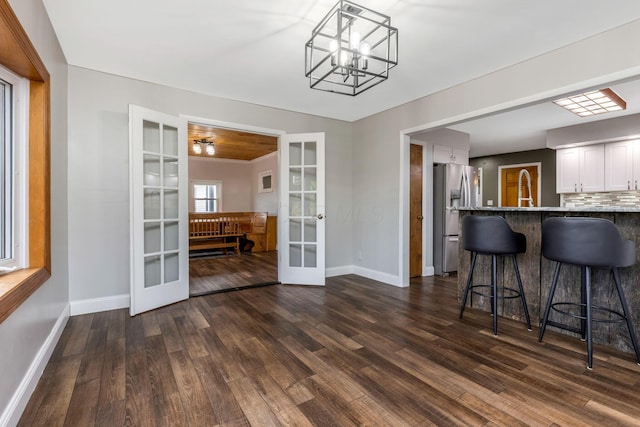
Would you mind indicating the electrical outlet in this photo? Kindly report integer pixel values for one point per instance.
(489, 202)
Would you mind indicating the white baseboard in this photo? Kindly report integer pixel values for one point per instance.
(339, 271)
(95, 305)
(21, 396)
(387, 278)
(429, 271)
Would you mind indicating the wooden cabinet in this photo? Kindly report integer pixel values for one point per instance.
(580, 169)
(446, 154)
(622, 165)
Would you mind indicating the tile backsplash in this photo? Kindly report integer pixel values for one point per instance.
(618, 198)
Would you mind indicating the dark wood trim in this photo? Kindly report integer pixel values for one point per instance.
(19, 55)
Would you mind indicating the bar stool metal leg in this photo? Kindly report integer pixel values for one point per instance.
(468, 287)
(587, 291)
(494, 292)
(625, 311)
(547, 308)
(520, 287)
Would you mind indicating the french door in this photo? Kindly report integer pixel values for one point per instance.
(301, 247)
(159, 213)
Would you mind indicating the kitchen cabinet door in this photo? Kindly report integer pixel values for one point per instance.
(592, 168)
(580, 169)
(445, 154)
(635, 184)
(567, 170)
(619, 166)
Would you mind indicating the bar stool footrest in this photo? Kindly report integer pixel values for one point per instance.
(619, 316)
(514, 292)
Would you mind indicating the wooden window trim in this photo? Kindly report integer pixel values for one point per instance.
(19, 55)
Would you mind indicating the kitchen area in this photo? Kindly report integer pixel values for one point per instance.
(589, 169)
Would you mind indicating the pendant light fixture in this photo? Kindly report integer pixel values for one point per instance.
(351, 50)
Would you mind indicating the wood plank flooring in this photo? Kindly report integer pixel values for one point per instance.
(232, 271)
(355, 352)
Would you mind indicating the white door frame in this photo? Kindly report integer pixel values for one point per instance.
(520, 165)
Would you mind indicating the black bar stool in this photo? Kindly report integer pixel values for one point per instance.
(491, 235)
(588, 243)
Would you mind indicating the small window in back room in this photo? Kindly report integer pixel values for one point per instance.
(206, 196)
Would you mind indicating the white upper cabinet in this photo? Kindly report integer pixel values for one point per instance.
(446, 154)
(580, 169)
(622, 165)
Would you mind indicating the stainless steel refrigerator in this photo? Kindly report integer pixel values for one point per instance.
(454, 186)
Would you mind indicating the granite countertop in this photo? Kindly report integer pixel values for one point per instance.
(555, 209)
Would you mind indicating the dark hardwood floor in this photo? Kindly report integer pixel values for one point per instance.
(355, 352)
(232, 271)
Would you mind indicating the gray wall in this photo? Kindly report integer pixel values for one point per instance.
(380, 174)
(25, 332)
(99, 171)
(490, 164)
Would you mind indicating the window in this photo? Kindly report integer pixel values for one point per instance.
(19, 55)
(206, 196)
(14, 92)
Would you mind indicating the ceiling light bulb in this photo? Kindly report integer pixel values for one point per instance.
(197, 148)
(365, 49)
(333, 46)
(343, 58)
(355, 40)
(211, 149)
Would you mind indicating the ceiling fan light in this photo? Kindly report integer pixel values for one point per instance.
(210, 149)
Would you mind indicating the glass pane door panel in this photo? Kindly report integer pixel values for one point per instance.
(295, 230)
(310, 231)
(151, 203)
(151, 170)
(170, 172)
(295, 179)
(171, 238)
(295, 204)
(170, 140)
(295, 255)
(310, 204)
(295, 154)
(310, 157)
(310, 180)
(171, 268)
(171, 204)
(152, 271)
(151, 136)
(310, 256)
(152, 237)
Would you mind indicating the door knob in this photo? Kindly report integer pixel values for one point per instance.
(320, 216)
(420, 217)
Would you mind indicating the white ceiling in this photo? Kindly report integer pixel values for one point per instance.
(253, 50)
(525, 128)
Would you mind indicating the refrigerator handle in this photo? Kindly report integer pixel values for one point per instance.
(464, 189)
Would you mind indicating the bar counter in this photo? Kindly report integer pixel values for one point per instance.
(537, 272)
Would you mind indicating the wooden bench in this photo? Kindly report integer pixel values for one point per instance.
(223, 230)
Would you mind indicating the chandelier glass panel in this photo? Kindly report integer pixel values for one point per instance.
(351, 50)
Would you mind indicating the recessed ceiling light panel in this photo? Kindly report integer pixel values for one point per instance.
(592, 103)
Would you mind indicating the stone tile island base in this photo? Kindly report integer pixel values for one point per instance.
(537, 273)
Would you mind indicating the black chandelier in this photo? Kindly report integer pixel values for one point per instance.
(351, 50)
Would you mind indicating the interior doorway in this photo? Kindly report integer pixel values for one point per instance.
(519, 185)
(233, 208)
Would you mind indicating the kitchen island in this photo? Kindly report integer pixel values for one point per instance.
(537, 271)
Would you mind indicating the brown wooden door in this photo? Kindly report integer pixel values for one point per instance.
(415, 211)
(509, 178)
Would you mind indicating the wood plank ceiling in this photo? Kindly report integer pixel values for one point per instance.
(232, 144)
